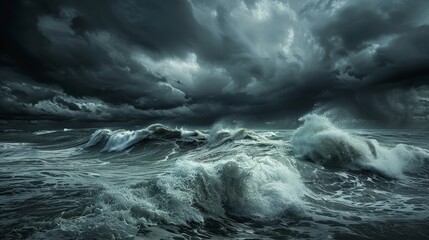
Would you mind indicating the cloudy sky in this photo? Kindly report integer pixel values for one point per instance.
(202, 61)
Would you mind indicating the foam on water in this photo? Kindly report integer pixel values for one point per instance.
(44, 132)
(218, 183)
(219, 136)
(119, 140)
(261, 188)
(322, 142)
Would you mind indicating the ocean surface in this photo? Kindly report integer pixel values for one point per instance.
(315, 182)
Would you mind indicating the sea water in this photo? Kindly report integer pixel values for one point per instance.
(316, 182)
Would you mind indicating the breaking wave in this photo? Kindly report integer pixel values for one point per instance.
(321, 142)
(119, 140)
(220, 136)
(259, 188)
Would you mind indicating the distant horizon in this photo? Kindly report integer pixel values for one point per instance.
(136, 124)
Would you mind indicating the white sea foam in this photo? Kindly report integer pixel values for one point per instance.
(244, 186)
(43, 132)
(122, 139)
(98, 136)
(261, 188)
(219, 136)
(322, 142)
(119, 140)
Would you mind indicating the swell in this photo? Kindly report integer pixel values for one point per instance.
(221, 180)
(191, 192)
(119, 140)
(320, 141)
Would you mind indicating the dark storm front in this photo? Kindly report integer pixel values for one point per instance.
(318, 181)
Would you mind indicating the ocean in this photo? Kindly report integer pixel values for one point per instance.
(318, 181)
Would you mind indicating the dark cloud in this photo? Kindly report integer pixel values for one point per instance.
(358, 23)
(201, 61)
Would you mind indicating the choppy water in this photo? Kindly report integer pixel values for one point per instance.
(316, 182)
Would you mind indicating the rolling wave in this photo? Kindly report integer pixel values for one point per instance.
(119, 140)
(192, 192)
(322, 142)
(194, 179)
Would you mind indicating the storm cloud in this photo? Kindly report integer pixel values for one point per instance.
(203, 61)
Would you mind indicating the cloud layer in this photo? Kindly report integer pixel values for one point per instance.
(201, 61)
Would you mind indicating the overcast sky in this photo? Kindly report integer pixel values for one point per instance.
(206, 61)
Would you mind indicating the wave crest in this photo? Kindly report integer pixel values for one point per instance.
(119, 140)
(321, 142)
(220, 136)
(260, 188)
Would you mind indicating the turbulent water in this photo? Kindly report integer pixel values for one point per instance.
(315, 182)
